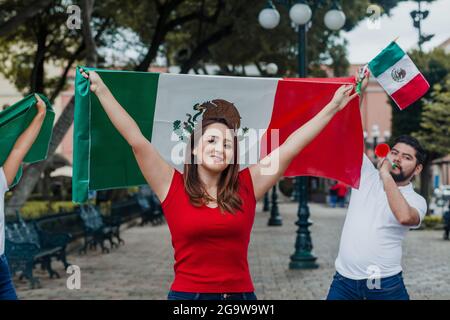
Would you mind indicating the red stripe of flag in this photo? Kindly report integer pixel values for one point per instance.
(411, 92)
(337, 151)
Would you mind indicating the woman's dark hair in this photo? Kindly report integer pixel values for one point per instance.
(421, 154)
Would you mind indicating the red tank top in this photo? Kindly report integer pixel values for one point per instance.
(210, 247)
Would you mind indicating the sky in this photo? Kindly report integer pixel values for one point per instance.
(365, 43)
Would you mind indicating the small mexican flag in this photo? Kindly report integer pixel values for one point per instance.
(167, 107)
(399, 77)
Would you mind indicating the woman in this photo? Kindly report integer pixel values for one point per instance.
(210, 207)
(7, 174)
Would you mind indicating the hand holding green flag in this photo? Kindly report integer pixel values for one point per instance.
(14, 121)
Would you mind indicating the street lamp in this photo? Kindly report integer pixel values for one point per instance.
(375, 136)
(335, 18)
(266, 203)
(366, 136)
(269, 17)
(300, 14)
(418, 16)
(271, 69)
(275, 218)
(387, 135)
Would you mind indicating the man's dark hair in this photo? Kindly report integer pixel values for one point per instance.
(421, 154)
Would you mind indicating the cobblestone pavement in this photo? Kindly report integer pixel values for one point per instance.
(143, 267)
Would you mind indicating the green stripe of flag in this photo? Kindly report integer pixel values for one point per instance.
(136, 92)
(95, 136)
(385, 59)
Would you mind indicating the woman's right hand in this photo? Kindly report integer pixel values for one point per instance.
(96, 82)
(342, 97)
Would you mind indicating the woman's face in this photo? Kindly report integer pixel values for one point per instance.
(215, 149)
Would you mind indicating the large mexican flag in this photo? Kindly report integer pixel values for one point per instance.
(166, 107)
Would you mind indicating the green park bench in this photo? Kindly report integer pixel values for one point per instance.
(150, 209)
(96, 231)
(27, 245)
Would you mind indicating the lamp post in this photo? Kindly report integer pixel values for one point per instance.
(266, 204)
(417, 16)
(275, 218)
(300, 14)
(375, 136)
(294, 195)
(387, 135)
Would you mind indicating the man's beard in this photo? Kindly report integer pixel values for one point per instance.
(401, 177)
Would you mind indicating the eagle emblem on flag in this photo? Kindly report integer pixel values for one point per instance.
(210, 109)
(398, 74)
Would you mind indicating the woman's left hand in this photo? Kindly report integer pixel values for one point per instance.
(342, 97)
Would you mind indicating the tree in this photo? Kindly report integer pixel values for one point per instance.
(248, 43)
(53, 39)
(33, 172)
(435, 66)
(12, 19)
(434, 128)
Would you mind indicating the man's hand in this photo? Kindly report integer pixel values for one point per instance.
(362, 75)
(403, 212)
(384, 166)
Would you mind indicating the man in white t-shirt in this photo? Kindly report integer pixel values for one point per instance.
(379, 215)
(8, 172)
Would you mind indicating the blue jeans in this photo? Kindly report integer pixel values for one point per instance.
(341, 201)
(389, 288)
(333, 200)
(7, 291)
(178, 295)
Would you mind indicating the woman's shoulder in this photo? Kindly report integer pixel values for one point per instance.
(244, 174)
(245, 181)
(176, 185)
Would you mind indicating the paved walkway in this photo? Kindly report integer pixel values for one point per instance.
(143, 268)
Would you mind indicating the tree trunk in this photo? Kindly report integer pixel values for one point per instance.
(202, 49)
(157, 40)
(37, 74)
(91, 48)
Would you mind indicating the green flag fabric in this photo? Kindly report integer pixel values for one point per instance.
(95, 136)
(14, 120)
